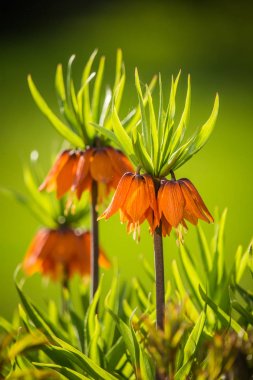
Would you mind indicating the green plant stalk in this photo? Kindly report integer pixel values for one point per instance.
(94, 241)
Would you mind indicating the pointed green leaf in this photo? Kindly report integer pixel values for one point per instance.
(191, 310)
(145, 130)
(97, 89)
(226, 319)
(59, 83)
(121, 134)
(112, 303)
(180, 131)
(204, 249)
(68, 372)
(63, 129)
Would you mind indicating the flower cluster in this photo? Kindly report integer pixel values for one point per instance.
(176, 201)
(61, 253)
(74, 171)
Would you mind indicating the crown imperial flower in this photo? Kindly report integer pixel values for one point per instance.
(179, 200)
(135, 199)
(59, 253)
(74, 170)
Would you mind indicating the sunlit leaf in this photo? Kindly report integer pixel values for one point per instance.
(63, 129)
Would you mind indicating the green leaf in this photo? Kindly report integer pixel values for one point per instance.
(143, 297)
(65, 108)
(167, 130)
(244, 312)
(95, 352)
(71, 96)
(121, 134)
(68, 372)
(137, 112)
(115, 354)
(35, 209)
(226, 319)
(36, 339)
(154, 132)
(40, 320)
(119, 92)
(145, 130)
(90, 320)
(118, 69)
(218, 273)
(104, 119)
(111, 303)
(191, 310)
(141, 152)
(146, 366)
(97, 89)
(190, 348)
(204, 249)
(87, 112)
(194, 337)
(241, 263)
(62, 128)
(108, 134)
(180, 131)
(59, 83)
(7, 326)
(201, 136)
(85, 363)
(191, 275)
(127, 336)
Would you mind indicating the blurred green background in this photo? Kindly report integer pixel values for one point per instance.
(212, 41)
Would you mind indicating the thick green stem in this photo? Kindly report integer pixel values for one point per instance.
(94, 240)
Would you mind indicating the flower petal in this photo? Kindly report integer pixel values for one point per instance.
(101, 167)
(50, 181)
(198, 200)
(171, 202)
(137, 200)
(119, 196)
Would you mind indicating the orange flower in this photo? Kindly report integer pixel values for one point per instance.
(135, 199)
(60, 252)
(75, 170)
(179, 200)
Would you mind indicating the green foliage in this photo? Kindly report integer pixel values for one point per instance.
(49, 211)
(153, 142)
(80, 109)
(115, 336)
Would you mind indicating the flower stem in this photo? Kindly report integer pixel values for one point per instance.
(159, 271)
(159, 277)
(65, 295)
(94, 240)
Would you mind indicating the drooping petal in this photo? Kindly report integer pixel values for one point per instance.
(171, 202)
(199, 201)
(192, 211)
(31, 261)
(137, 200)
(152, 199)
(119, 161)
(166, 227)
(66, 176)
(50, 181)
(82, 169)
(101, 167)
(119, 197)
